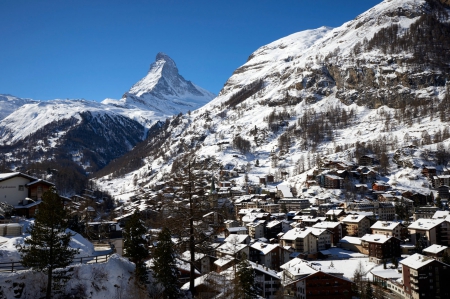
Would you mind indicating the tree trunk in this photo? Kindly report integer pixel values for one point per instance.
(49, 284)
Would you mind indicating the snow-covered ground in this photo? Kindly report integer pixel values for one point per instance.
(9, 253)
(113, 279)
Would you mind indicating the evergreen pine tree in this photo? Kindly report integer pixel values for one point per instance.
(369, 291)
(246, 286)
(164, 265)
(135, 245)
(47, 248)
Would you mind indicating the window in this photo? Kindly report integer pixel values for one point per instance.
(21, 188)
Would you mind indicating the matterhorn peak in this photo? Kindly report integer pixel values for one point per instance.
(164, 90)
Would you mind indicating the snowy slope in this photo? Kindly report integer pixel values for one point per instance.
(30, 117)
(164, 90)
(9, 104)
(314, 72)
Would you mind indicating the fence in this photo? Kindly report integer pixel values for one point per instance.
(17, 265)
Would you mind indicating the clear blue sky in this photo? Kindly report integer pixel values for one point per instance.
(94, 49)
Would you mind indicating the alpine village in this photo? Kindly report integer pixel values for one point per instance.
(320, 170)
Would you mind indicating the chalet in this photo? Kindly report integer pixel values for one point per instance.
(366, 160)
(335, 228)
(266, 279)
(269, 255)
(440, 180)
(390, 228)
(417, 281)
(302, 280)
(302, 240)
(103, 230)
(356, 225)
(381, 247)
(22, 191)
(351, 244)
(380, 186)
(203, 263)
(436, 251)
(429, 231)
(429, 171)
(332, 182)
(425, 212)
(256, 229)
(273, 228)
(366, 174)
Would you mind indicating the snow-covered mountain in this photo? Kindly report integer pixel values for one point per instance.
(9, 104)
(378, 82)
(164, 90)
(91, 134)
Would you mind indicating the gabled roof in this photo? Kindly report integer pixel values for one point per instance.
(435, 248)
(40, 181)
(6, 176)
(417, 261)
(425, 224)
(385, 225)
(295, 233)
(353, 218)
(326, 224)
(351, 240)
(237, 239)
(263, 247)
(376, 238)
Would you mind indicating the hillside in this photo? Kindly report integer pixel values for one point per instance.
(364, 87)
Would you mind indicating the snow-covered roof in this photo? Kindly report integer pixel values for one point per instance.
(435, 248)
(376, 238)
(351, 240)
(264, 269)
(385, 225)
(273, 223)
(441, 214)
(334, 212)
(229, 248)
(353, 218)
(387, 273)
(237, 239)
(197, 256)
(425, 224)
(297, 233)
(4, 176)
(298, 267)
(416, 261)
(237, 229)
(264, 247)
(223, 261)
(326, 224)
